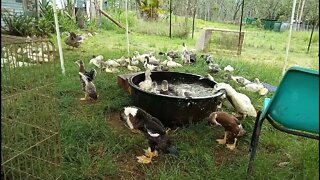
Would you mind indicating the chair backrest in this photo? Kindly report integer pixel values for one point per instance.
(295, 104)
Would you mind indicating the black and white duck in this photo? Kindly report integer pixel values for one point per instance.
(207, 58)
(153, 130)
(86, 79)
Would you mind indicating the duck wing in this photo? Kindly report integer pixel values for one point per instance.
(154, 127)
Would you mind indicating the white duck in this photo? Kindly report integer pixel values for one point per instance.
(172, 64)
(112, 63)
(239, 101)
(146, 85)
(146, 65)
(228, 68)
(255, 86)
(133, 68)
(97, 61)
(140, 57)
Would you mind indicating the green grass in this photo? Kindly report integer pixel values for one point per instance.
(96, 145)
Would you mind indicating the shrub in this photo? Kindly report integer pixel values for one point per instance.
(18, 24)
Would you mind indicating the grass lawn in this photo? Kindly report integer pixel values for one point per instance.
(96, 145)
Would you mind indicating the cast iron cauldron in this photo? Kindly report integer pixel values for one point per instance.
(174, 111)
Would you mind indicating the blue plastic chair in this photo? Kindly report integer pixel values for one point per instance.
(294, 108)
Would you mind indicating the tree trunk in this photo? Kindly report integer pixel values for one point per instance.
(236, 11)
(301, 13)
(297, 15)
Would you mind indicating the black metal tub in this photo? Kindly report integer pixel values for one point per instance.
(174, 111)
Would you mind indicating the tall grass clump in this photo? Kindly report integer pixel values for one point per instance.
(161, 28)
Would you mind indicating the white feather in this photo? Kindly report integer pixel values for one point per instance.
(153, 134)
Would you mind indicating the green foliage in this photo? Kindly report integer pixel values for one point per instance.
(18, 24)
(24, 25)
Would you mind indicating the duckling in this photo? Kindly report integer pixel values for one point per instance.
(90, 74)
(183, 93)
(154, 87)
(146, 85)
(164, 87)
(263, 91)
(240, 80)
(123, 61)
(111, 63)
(207, 58)
(90, 88)
(172, 53)
(73, 40)
(239, 101)
(172, 64)
(228, 69)
(226, 76)
(133, 68)
(134, 61)
(254, 87)
(214, 68)
(193, 56)
(141, 58)
(162, 68)
(153, 60)
(232, 127)
(149, 66)
(97, 61)
(110, 69)
(185, 55)
(164, 62)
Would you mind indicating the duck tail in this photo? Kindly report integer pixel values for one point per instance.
(162, 53)
(92, 74)
(173, 150)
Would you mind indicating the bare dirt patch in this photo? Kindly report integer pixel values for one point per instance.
(114, 121)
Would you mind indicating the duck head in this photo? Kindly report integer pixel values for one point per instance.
(242, 131)
(164, 144)
(128, 115)
(222, 87)
(164, 85)
(79, 62)
(136, 53)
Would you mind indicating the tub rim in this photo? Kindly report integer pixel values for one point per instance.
(133, 85)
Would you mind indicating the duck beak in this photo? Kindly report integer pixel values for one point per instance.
(173, 151)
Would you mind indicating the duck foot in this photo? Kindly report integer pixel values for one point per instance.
(232, 146)
(224, 140)
(84, 98)
(221, 141)
(144, 159)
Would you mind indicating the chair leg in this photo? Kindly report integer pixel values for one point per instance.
(254, 143)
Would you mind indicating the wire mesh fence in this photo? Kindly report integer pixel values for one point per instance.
(218, 40)
(30, 144)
